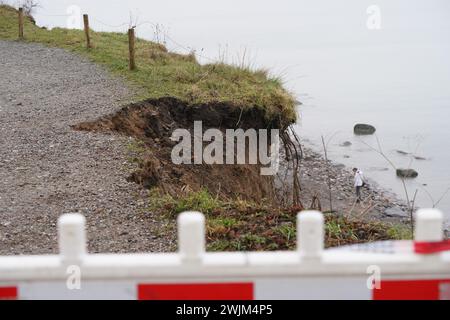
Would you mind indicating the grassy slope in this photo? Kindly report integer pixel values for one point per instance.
(162, 73)
(238, 225)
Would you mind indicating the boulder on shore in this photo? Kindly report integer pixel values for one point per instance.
(363, 129)
(407, 173)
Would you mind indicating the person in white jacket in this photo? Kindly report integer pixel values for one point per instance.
(359, 183)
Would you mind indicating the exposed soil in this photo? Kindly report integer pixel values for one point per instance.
(154, 121)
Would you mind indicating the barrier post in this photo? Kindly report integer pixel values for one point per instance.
(191, 236)
(86, 30)
(310, 234)
(429, 225)
(131, 41)
(21, 23)
(72, 237)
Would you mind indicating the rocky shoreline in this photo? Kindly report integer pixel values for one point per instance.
(378, 204)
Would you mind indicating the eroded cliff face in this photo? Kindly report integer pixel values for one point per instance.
(152, 123)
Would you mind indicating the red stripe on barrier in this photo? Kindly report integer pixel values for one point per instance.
(431, 247)
(410, 290)
(8, 293)
(196, 291)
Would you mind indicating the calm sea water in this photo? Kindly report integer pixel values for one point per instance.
(396, 77)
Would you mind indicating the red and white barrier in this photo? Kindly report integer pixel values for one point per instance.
(387, 270)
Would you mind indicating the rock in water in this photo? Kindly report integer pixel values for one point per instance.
(407, 173)
(363, 129)
(402, 152)
(378, 169)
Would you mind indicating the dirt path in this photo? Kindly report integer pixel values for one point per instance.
(47, 169)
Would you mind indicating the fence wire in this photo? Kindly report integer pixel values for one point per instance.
(177, 45)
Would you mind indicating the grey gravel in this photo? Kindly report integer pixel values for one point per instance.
(47, 169)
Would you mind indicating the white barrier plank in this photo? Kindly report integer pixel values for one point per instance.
(89, 290)
(323, 288)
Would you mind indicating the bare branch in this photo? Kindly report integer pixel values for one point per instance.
(29, 6)
(325, 150)
(442, 197)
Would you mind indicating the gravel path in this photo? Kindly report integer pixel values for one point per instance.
(47, 169)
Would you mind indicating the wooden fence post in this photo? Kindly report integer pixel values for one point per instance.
(21, 23)
(86, 30)
(131, 48)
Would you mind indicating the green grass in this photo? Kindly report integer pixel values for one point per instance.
(399, 231)
(198, 201)
(161, 73)
(201, 201)
(287, 231)
(237, 225)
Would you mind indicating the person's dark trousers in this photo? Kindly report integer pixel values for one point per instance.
(358, 193)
